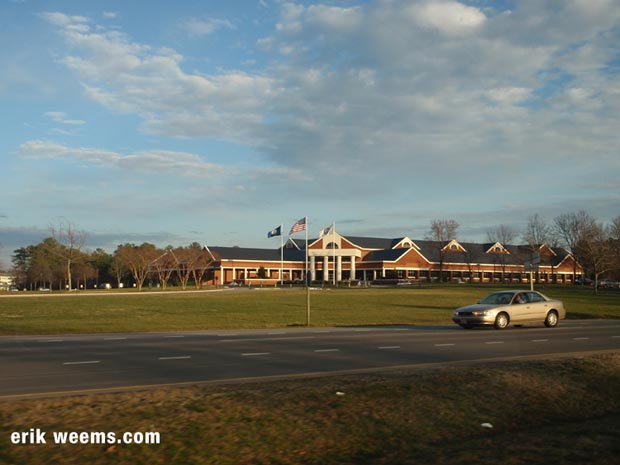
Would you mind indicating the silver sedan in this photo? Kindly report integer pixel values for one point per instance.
(503, 308)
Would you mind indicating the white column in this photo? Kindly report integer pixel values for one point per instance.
(352, 276)
(325, 268)
(338, 268)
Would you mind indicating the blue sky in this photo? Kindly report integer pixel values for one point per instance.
(209, 121)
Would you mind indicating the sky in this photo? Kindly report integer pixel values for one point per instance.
(215, 122)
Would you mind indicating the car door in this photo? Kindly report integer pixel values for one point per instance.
(518, 308)
(538, 307)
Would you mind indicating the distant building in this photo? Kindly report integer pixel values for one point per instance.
(6, 281)
(350, 258)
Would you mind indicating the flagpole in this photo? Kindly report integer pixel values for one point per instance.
(334, 249)
(281, 254)
(307, 282)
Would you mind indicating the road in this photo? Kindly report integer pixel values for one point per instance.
(70, 364)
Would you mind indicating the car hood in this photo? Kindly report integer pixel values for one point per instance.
(476, 307)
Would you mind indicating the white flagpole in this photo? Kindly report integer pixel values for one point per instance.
(281, 254)
(307, 282)
(333, 228)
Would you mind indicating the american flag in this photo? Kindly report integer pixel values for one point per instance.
(300, 225)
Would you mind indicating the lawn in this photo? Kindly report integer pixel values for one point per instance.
(539, 412)
(262, 308)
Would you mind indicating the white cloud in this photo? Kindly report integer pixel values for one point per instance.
(448, 17)
(203, 27)
(155, 161)
(385, 92)
(61, 118)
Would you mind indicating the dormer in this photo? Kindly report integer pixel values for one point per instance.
(453, 246)
(406, 243)
(498, 248)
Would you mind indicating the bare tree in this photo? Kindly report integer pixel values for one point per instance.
(504, 234)
(537, 232)
(441, 232)
(138, 259)
(185, 262)
(164, 267)
(572, 229)
(596, 248)
(72, 240)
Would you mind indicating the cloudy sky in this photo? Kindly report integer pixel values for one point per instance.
(212, 121)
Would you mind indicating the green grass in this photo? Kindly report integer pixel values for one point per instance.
(268, 308)
(543, 412)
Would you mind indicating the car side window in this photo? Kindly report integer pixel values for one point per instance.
(520, 299)
(533, 297)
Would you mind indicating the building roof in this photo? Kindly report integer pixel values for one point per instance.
(243, 253)
(382, 249)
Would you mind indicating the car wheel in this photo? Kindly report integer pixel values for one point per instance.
(552, 319)
(501, 321)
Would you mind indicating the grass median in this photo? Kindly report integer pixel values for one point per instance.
(263, 308)
(537, 412)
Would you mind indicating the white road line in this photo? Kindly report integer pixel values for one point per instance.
(43, 341)
(444, 345)
(615, 337)
(228, 335)
(286, 338)
(321, 332)
(400, 329)
(86, 362)
(580, 338)
(388, 347)
(180, 357)
(362, 330)
(277, 332)
(540, 340)
(327, 350)
(172, 337)
(255, 354)
(114, 338)
(494, 342)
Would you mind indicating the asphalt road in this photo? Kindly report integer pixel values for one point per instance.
(67, 364)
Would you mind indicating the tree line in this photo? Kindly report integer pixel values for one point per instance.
(60, 262)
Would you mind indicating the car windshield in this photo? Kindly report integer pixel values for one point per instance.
(498, 298)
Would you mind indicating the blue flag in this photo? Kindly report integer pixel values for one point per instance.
(275, 232)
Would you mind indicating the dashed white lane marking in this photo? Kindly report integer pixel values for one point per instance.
(228, 335)
(285, 338)
(494, 342)
(327, 350)
(114, 338)
(173, 337)
(255, 354)
(85, 362)
(444, 345)
(615, 337)
(277, 332)
(44, 341)
(580, 338)
(540, 340)
(179, 357)
(388, 347)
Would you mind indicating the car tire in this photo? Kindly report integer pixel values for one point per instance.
(551, 321)
(501, 321)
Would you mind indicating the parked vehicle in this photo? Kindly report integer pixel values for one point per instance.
(504, 308)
